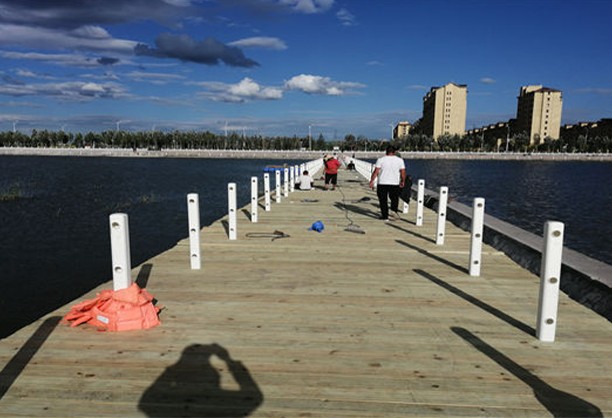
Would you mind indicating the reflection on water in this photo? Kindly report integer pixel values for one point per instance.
(54, 238)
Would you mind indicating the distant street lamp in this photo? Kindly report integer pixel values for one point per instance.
(507, 136)
(309, 138)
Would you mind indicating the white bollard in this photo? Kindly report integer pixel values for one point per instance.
(420, 202)
(292, 179)
(231, 205)
(442, 202)
(278, 186)
(193, 212)
(406, 207)
(267, 191)
(550, 275)
(286, 183)
(476, 236)
(120, 250)
(254, 196)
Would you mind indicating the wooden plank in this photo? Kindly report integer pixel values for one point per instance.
(336, 323)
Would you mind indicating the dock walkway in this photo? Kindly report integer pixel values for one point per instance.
(330, 324)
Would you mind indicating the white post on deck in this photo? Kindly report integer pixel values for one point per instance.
(231, 204)
(254, 196)
(278, 186)
(420, 202)
(286, 183)
(476, 237)
(292, 179)
(406, 207)
(550, 275)
(193, 212)
(442, 202)
(120, 250)
(267, 191)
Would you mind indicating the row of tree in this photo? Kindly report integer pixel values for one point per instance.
(157, 140)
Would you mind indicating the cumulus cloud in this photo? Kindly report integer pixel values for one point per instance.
(245, 90)
(314, 84)
(155, 78)
(209, 51)
(487, 80)
(260, 42)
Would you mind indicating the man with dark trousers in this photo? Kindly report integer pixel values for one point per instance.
(391, 173)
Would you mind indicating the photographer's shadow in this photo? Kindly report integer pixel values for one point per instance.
(192, 387)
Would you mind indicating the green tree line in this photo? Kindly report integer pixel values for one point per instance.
(158, 140)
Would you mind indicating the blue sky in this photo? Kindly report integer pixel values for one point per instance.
(278, 67)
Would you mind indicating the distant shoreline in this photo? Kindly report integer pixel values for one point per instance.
(290, 155)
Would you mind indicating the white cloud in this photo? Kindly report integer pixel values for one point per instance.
(43, 38)
(346, 17)
(487, 80)
(314, 84)
(68, 60)
(73, 90)
(260, 42)
(308, 6)
(246, 89)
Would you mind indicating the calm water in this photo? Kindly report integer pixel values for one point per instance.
(54, 239)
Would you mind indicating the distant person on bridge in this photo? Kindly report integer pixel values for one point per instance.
(391, 173)
(331, 171)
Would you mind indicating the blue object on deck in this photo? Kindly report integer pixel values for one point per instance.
(317, 226)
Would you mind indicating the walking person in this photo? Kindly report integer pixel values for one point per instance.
(391, 173)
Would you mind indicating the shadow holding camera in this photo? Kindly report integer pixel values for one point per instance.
(192, 387)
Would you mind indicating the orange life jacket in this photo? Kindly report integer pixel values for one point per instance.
(116, 310)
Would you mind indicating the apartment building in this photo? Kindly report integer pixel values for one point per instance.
(444, 110)
(401, 130)
(539, 113)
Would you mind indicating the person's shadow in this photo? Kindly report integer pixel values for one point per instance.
(192, 387)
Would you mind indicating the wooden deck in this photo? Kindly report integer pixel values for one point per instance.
(331, 324)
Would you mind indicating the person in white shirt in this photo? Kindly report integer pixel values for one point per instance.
(391, 173)
(305, 181)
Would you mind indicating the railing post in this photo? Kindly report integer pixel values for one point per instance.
(286, 183)
(420, 202)
(292, 179)
(442, 202)
(278, 186)
(120, 250)
(193, 211)
(267, 191)
(550, 275)
(231, 204)
(254, 198)
(406, 207)
(476, 236)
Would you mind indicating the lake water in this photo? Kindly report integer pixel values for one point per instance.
(54, 237)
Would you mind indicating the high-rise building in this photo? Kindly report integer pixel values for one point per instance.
(444, 110)
(402, 129)
(538, 114)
